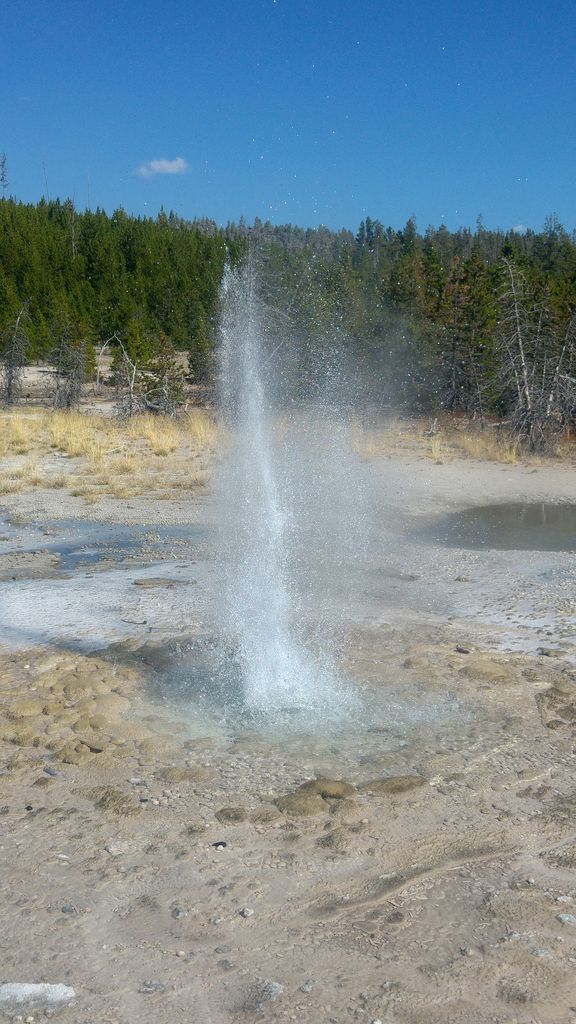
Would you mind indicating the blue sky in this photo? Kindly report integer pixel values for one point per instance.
(309, 111)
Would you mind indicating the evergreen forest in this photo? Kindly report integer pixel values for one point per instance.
(475, 321)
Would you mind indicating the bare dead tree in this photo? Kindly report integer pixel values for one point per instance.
(536, 364)
(13, 358)
(99, 359)
(126, 375)
(69, 359)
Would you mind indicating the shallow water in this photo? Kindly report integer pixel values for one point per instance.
(513, 526)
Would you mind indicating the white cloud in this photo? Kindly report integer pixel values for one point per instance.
(154, 167)
(519, 229)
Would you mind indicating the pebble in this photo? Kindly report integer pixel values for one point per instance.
(246, 912)
(566, 918)
(307, 986)
(150, 986)
(271, 990)
(49, 770)
(226, 965)
(116, 849)
(179, 912)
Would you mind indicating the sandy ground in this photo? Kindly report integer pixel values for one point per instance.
(417, 869)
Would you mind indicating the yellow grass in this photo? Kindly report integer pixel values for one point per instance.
(105, 455)
(489, 445)
(162, 435)
(452, 438)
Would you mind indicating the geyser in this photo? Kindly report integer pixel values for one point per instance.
(266, 513)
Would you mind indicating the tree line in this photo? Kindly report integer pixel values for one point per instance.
(479, 321)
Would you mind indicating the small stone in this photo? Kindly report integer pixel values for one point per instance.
(307, 986)
(178, 913)
(226, 965)
(246, 912)
(181, 953)
(566, 918)
(150, 986)
(68, 908)
(49, 770)
(116, 849)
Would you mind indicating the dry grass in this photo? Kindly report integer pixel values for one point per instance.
(453, 438)
(105, 456)
(488, 445)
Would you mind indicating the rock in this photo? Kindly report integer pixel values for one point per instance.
(566, 918)
(26, 709)
(73, 753)
(178, 913)
(150, 986)
(393, 784)
(18, 998)
(311, 797)
(346, 810)
(226, 965)
(246, 912)
(550, 652)
(231, 814)
(111, 705)
(259, 994)
(300, 805)
(116, 849)
(328, 789)
(307, 986)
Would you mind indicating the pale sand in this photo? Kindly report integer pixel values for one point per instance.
(432, 905)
